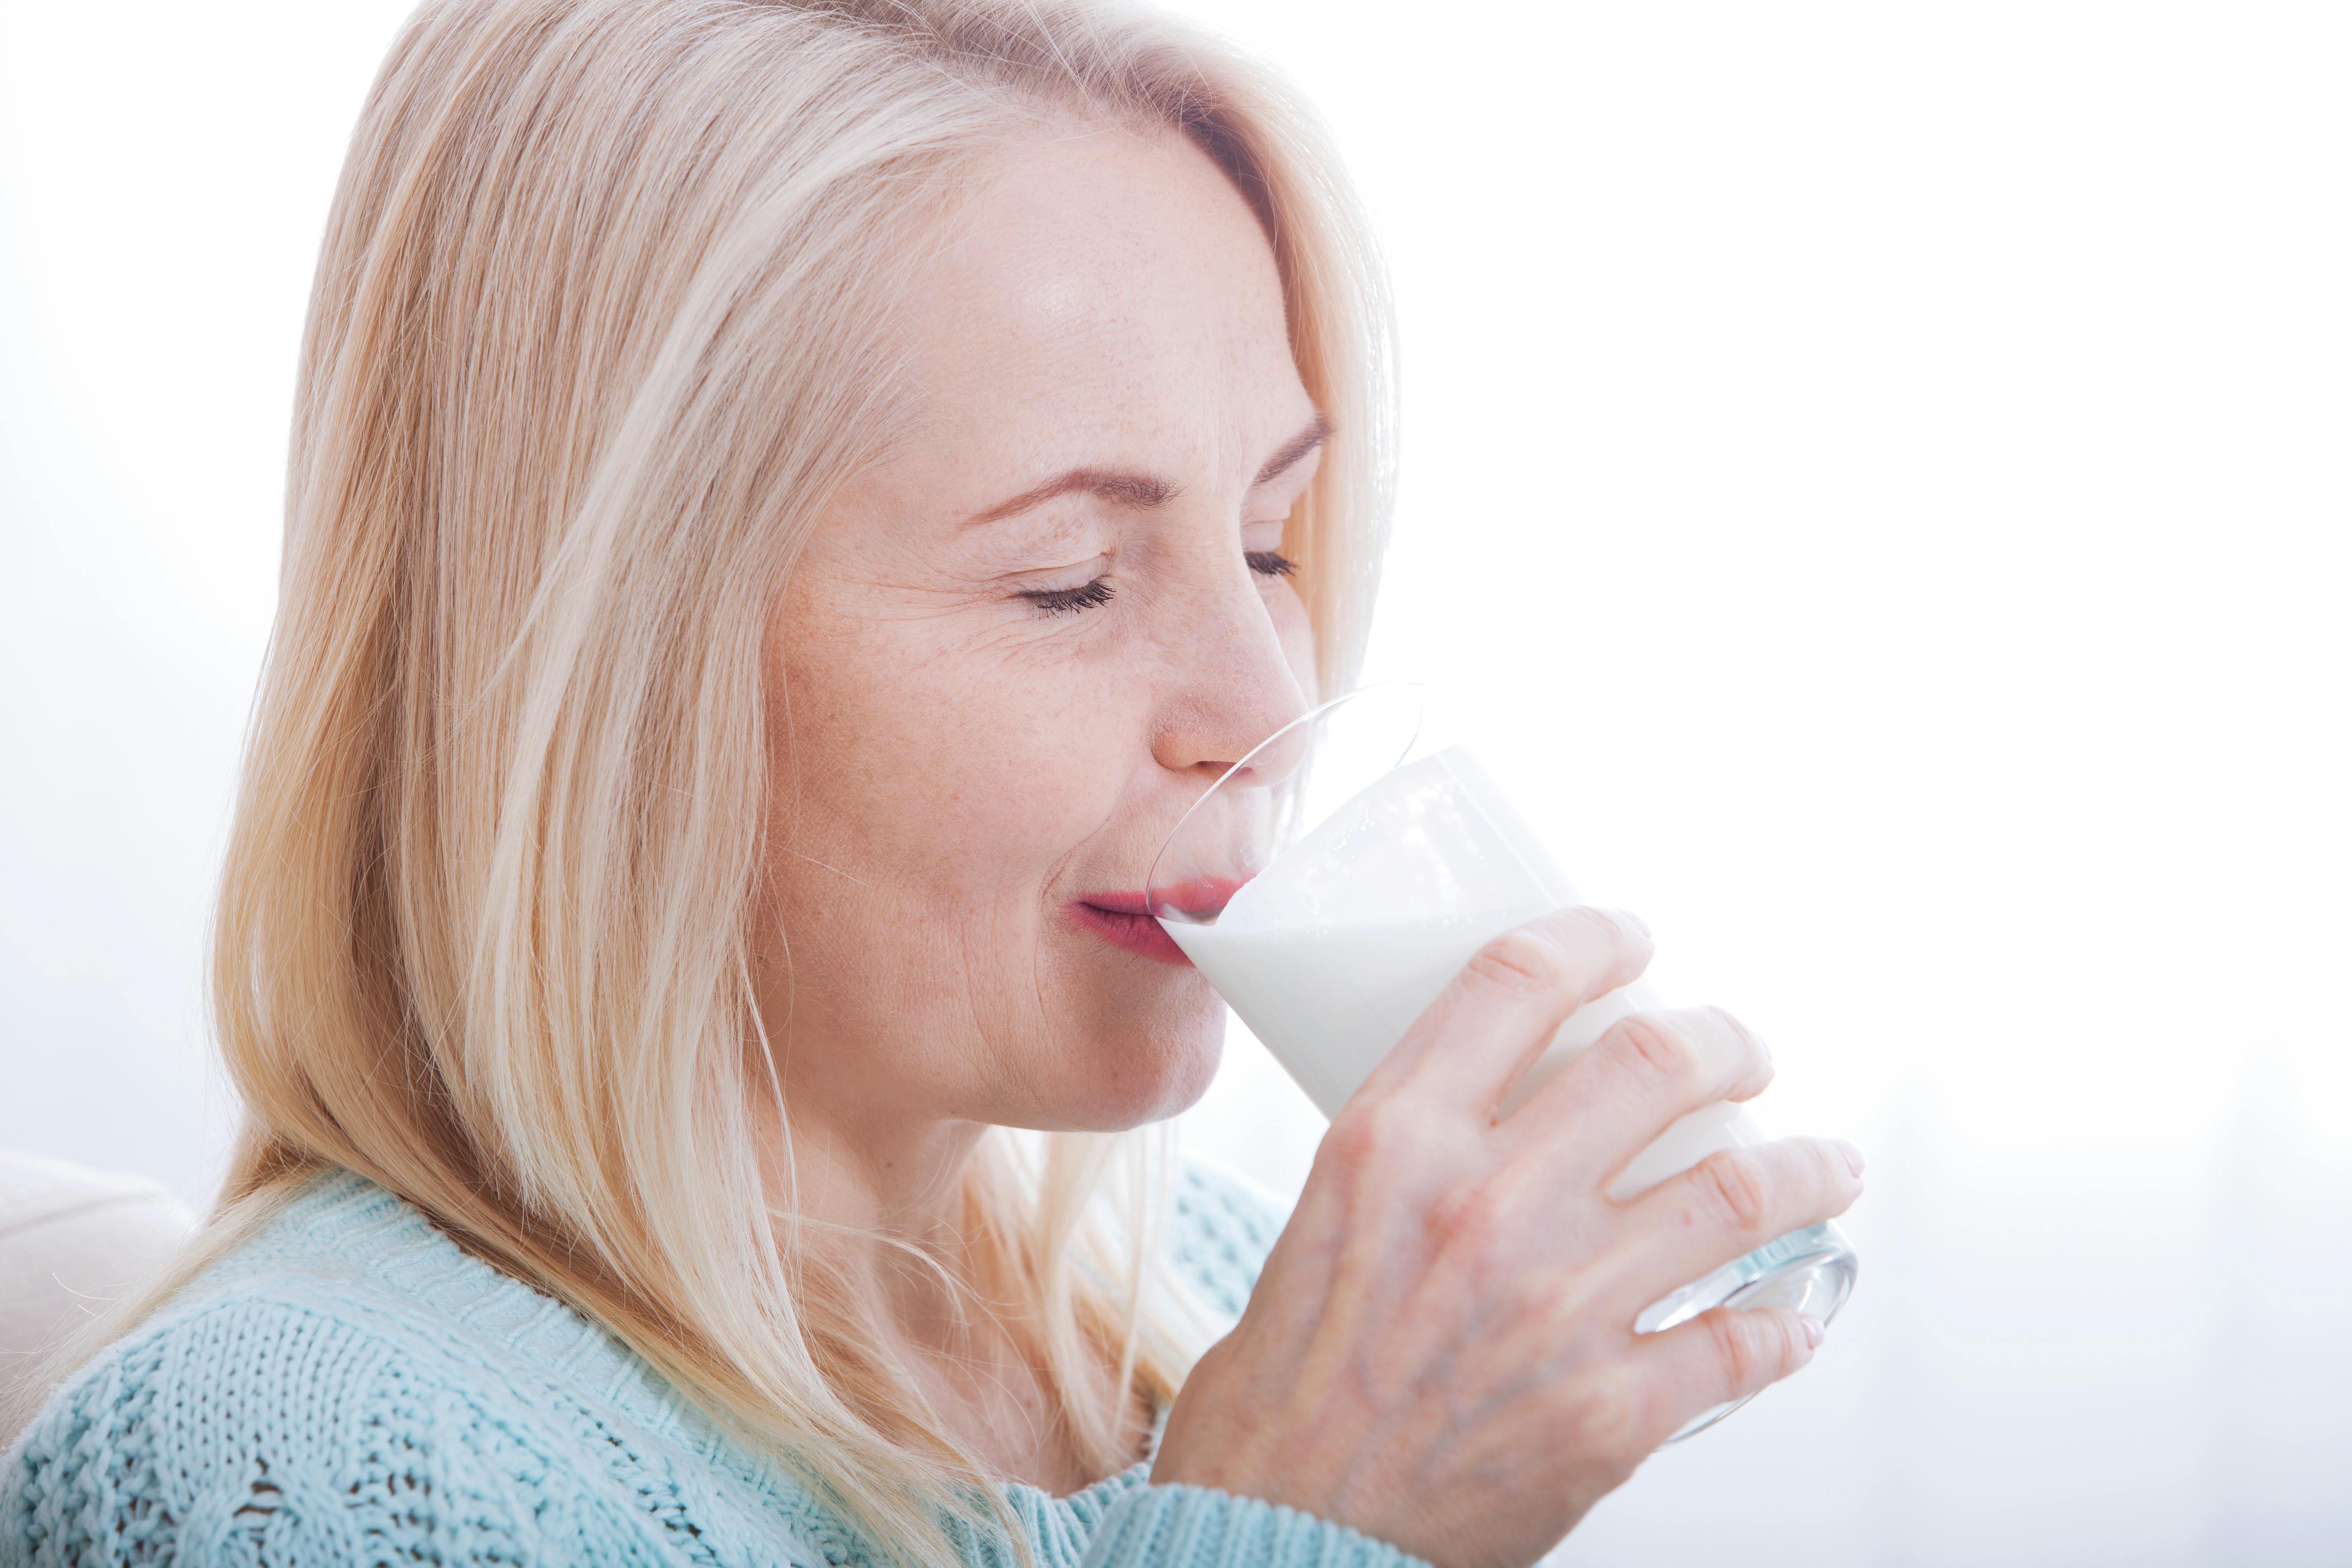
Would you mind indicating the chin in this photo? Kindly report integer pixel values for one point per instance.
(1143, 1064)
(1119, 1040)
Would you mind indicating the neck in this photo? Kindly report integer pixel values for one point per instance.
(901, 1179)
(871, 1173)
(871, 1182)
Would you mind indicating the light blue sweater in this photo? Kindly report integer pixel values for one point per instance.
(350, 1387)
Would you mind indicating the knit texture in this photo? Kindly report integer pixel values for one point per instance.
(350, 1387)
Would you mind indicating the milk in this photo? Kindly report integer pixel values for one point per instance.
(1332, 950)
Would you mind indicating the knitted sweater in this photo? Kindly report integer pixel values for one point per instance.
(351, 1387)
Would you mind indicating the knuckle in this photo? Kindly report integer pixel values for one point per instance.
(1739, 1350)
(1731, 1184)
(1755, 1347)
(1467, 1219)
(1658, 1052)
(1524, 959)
(1609, 1419)
(1367, 1136)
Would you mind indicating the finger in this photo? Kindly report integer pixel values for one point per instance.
(1498, 1012)
(1645, 1072)
(1716, 1358)
(1726, 1207)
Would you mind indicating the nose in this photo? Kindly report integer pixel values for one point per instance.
(1230, 682)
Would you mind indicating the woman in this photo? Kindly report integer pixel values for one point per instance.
(788, 503)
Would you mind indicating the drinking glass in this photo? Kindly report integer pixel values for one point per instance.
(1333, 881)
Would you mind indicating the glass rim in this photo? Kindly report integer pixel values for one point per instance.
(1418, 689)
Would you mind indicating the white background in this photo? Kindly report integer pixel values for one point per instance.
(1879, 475)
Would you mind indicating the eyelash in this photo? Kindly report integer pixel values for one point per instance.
(1054, 601)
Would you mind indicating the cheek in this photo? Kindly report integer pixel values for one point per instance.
(1017, 807)
(934, 767)
(1288, 612)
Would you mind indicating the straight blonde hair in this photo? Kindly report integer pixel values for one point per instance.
(599, 326)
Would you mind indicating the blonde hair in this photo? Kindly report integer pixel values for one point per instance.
(599, 326)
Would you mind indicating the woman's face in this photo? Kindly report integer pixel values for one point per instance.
(1013, 653)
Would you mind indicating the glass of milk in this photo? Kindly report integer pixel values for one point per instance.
(1334, 880)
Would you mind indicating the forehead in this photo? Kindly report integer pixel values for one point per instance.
(1101, 283)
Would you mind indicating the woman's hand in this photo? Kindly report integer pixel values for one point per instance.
(1440, 1351)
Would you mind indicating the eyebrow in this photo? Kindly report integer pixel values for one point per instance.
(1147, 490)
(1298, 446)
(1121, 490)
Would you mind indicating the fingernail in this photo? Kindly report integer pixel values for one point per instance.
(1853, 1155)
(1636, 921)
(1813, 1330)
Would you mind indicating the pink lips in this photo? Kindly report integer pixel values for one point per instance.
(1124, 919)
(1120, 919)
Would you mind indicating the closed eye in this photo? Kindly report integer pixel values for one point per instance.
(1054, 601)
(1061, 601)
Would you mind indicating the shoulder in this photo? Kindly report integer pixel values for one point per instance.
(214, 1433)
(1220, 1227)
(349, 1387)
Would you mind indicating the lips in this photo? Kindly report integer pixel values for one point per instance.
(1125, 919)
(1122, 919)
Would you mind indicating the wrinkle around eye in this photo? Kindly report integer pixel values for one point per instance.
(1054, 579)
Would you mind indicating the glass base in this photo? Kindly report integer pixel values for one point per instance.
(1809, 1270)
